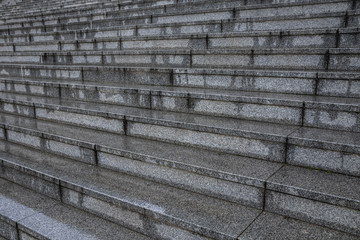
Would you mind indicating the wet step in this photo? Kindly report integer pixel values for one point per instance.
(279, 227)
(292, 191)
(202, 12)
(72, 10)
(26, 214)
(229, 177)
(280, 143)
(322, 83)
(279, 108)
(329, 150)
(148, 26)
(316, 196)
(341, 38)
(248, 138)
(252, 9)
(127, 200)
(269, 59)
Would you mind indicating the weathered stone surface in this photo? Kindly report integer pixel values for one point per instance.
(273, 226)
(316, 212)
(184, 119)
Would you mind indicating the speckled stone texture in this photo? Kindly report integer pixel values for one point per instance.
(271, 226)
(38, 217)
(179, 119)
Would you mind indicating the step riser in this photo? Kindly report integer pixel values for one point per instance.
(326, 159)
(295, 10)
(332, 119)
(324, 214)
(341, 88)
(262, 149)
(8, 229)
(67, 115)
(256, 60)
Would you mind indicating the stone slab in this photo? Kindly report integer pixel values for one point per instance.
(273, 226)
(116, 190)
(41, 217)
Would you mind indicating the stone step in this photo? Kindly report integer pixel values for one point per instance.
(235, 136)
(34, 9)
(251, 8)
(329, 150)
(228, 177)
(204, 11)
(300, 193)
(329, 83)
(274, 59)
(340, 38)
(279, 227)
(182, 119)
(147, 26)
(330, 38)
(309, 147)
(268, 107)
(327, 199)
(94, 8)
(25, 214)
(116, 10)
(130, 201)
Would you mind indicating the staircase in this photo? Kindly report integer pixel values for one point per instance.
(180, 119)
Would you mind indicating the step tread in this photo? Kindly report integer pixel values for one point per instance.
(272, 226)
(40, 216)
(195, 210)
